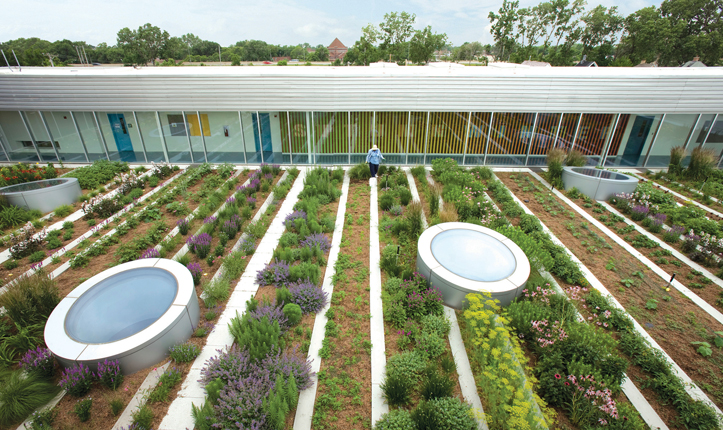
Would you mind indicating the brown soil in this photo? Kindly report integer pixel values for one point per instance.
(676, 322)
(100, 415)
(350, 364)
(684, 274)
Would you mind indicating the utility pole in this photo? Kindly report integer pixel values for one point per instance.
(219, 55)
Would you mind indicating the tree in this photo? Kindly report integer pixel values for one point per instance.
(64, 51)
(298, 52)
(602, 27)
(143, 45)
(256, 50)
(364, 50)
(235, 60)
(322, 53)
(503, 27)
(694, 28)
(644, 37)
(175, 48)
(423, 45)
(395, 31)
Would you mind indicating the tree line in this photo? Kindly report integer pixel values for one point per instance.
(148, 43)
(393, 40)
(561, 31)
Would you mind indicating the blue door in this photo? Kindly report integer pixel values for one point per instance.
(636, 141)
(122, 138)
(265, 141)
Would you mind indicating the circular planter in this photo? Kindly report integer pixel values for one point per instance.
(460, 258)
(133, 313)
(596, 183)
(45, 195)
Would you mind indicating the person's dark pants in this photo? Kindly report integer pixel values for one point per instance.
(373, 168)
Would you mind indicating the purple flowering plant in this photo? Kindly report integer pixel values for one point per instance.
(196, 272)
(76, 380)
(151, 253)
(310, 298)
(317, 239)
(109, 373)
(200, 244)
(276, 272)
(39, 361)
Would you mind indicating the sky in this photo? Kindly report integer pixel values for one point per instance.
(281, 22)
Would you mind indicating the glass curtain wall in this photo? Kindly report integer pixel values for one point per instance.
(715, 137)
(67, 141)
(294, 140)
(149, 133)
(390, 135)
(331, 137)
(122, 136)
(546, 132)
(617, 140)
(175, 134)
(362, 127)
(510, 138)
(674, 131)
(224, 140)
(43, 142)
(198, 130)
(17, 140)
(478, 138)
(417, 138)
(90, 135)
(447, 135)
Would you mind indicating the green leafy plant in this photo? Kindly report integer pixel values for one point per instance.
(82, 409)
(703, 349)
(397, 390)
(21, 393)
(651, 304)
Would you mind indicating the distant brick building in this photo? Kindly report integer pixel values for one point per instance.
(337, 50)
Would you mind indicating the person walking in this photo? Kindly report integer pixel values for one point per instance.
(374, 158)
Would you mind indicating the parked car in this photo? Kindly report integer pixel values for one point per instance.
(268, 62)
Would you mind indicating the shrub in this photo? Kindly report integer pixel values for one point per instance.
(555, 159)
(430, 345)
(30, 299)
(82, 409)
(142, 418)
(43, 420)
(259, 336)
(576, 158)
(200, 244)
(437, 324)
(283, 296)
(310, 297)
(76, 380)
(405, 196)
(408, 365)
(293, 313)
(21, 394)
(702, 162)
(386, 201)
(63, 211)
(436, 385)
(276, 272)
(39, 361)
(109, 373)
(444, 413)
(270, 312)
(305, 271)
(677, 154)
(396, 390)
(388, 261)
(183, 226)
(448, 214)
(12, 216)
(184, 352)
(396, 419)
(672, 235)
(360, 172)
(413, 218)
(196, 272)
(216, 290)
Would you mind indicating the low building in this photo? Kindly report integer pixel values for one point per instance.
(337, 50)
(498, 116)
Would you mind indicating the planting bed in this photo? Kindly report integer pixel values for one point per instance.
(670, 318)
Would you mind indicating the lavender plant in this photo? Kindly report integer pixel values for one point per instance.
(311, 298)
(183, 226)
(289, 220)
(109, 373)
(276, 273)
(151, 253)
(272, 313)
(317, 239)
(200, 244)
(196, 272)
(76, 380)
(39, 361)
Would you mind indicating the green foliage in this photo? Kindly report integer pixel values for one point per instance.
(407, 366)
(30, 299)
(396, 419)
(143, 418)
(63, 211)
(703, 349)
(430, 345)
(396, 389)
(283, 296)
(98, 173)
(13, 216)
(386, 201)
(444, 413)
(305, 271)
(293, 313)
(388, 261)
(360, 172)
(436, 385)
(537, 254)
(185, 352)
(21, 394)
(82, 409)
(259, 336)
